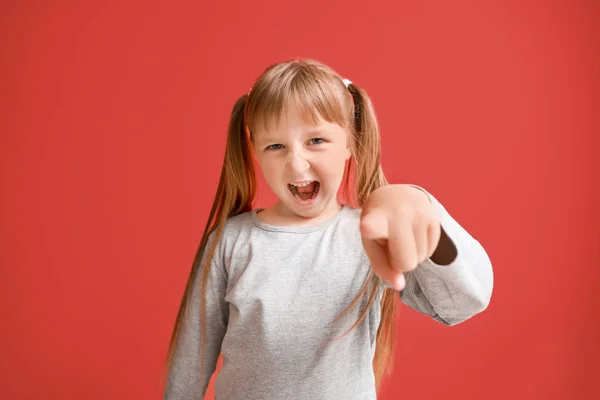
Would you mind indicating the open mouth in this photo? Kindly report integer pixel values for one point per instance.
(306, 191)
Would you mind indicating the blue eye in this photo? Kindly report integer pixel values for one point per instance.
(274, 147)
(320, 140)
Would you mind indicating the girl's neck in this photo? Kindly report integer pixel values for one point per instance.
(280, 215)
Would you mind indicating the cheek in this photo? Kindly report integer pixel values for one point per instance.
(333, 165)
(269, 168)
(342, 156)
(262, 160)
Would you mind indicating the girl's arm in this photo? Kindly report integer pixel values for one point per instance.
(184, 380)
(451, 293)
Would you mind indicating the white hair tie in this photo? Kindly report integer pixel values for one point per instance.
(346, 82)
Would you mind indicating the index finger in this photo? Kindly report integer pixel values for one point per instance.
(378, 256)
(402, 246)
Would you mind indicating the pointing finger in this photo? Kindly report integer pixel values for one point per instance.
(402, 247)
(381, 266)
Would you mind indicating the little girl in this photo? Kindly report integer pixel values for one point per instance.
(300, 297)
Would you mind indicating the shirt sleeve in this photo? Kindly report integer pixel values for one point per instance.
(452, 293)
(183, 379)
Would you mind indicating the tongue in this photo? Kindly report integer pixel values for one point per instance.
(306, 192)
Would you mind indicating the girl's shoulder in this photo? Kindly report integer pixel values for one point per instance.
(236, 224)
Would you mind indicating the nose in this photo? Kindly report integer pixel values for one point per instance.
(297, 164)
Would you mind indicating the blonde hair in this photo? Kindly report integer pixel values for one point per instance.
(317, 91)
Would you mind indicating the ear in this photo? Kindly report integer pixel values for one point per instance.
(348, 153)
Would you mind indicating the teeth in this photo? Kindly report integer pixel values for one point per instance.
(301, 184)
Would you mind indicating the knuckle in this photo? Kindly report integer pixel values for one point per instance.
(365, 227)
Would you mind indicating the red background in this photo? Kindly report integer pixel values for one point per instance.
(113, 119)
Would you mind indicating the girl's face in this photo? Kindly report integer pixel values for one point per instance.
(303, 164)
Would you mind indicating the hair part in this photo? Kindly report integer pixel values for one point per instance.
(318, 92)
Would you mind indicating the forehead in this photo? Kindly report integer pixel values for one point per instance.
(291, 121)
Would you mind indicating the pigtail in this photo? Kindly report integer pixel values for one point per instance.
(368, 177)
(369, 174)
(235, 195)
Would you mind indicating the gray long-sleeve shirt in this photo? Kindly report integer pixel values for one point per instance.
(273, 294)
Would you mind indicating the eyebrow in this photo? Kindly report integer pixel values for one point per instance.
(266, 139)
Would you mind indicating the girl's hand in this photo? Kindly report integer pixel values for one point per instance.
(399, 229)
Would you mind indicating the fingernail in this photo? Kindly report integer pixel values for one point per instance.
(400, 282)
